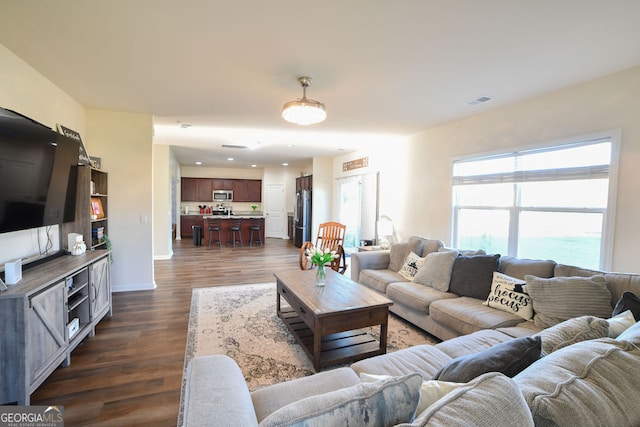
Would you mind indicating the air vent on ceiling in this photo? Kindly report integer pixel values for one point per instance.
(237, 147)
(479, 100)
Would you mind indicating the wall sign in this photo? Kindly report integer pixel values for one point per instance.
(362, 162)
(83, 157)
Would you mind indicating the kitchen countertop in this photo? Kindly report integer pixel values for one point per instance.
(208, 216)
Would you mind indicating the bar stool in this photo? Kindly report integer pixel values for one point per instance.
(255, 226)
(235, 227)
(214, 227)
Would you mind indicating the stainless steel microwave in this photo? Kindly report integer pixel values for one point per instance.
(222, 195)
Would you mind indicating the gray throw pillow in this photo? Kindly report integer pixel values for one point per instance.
(628, 301)
(572, 331)
(435, 272)
(509, 358)
(472, 275)
(561, 298)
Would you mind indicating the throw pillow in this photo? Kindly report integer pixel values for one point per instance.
(561, 298)
(430, 392)
(436, 270)
(631, 334)
(383, 403)
(628, 301)
(471, 276)
(411, 265)
(509, 358)
(620, 323)
(572, 331)
(507, 294)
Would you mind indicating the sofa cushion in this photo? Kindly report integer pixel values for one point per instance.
(572, 331)
(590, 383)
(620, 323)
(436, 270)
(424, 359)
(382, 403)
(430, 245)
(416, 296)
(411, 265)
(509, 358)
(471, 276)
(267, 400)
(467, 315)
(379, 279)
(489, 400)
(214, 377)
(628, 301)
(472, 343)
(560, 298)
(519, 267)
(398, 252)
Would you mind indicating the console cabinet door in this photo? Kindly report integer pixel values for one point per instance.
(100, 295)
(46, 333)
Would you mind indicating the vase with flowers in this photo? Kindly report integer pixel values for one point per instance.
(320, 258)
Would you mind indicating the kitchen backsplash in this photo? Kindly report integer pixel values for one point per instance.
(194, 207)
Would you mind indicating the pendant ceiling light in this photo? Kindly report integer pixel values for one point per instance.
(304, 111)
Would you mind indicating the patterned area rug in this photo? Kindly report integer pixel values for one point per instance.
(241, 322)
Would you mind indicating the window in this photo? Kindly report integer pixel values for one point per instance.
(553, 202)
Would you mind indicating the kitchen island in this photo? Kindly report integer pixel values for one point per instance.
(225, 223)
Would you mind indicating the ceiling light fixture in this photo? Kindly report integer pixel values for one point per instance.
(304, 111)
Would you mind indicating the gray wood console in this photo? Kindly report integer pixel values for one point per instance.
(37, 319)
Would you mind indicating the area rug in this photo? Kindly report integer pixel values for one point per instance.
(241, 322)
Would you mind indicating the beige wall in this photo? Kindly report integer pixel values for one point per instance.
(124, 142)
(608, 103)
(162, 177)
(24, 90)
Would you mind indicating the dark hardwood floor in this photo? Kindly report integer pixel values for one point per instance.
(130, 373)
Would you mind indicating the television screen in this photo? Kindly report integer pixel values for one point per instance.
(38, 174)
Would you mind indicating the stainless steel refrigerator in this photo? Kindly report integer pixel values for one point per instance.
(302, 217)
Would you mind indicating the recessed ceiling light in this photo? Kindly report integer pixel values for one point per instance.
(230, 159)
(285, 164)
(253, 166)
(198, 163)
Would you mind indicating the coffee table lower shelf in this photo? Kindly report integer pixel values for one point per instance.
(336, 348)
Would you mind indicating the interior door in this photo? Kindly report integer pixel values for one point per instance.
(275, 218)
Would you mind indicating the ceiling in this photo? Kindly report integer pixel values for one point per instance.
(215, 72)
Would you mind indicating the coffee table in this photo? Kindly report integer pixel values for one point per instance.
(328, 321)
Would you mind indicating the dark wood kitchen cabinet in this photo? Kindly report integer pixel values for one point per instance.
(304, 183)
(205, 190)
(222, 184)
(247, 190)
(186, 222)
(189, 189)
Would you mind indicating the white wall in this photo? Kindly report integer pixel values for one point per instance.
(612, 102)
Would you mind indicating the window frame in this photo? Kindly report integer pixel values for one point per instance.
(609, 213)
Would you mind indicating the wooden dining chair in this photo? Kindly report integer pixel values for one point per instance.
(330, 236)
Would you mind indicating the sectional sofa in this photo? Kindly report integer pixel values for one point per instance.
(448, 297)
(576, 361)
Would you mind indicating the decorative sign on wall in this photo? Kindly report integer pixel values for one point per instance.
(83, 157)
(362, 162)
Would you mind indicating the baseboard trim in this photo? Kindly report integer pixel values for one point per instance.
(130, 287)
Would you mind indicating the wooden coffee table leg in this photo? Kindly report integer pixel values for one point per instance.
(317, 344)
(383, 333)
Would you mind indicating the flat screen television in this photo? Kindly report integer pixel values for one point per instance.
(38, 174)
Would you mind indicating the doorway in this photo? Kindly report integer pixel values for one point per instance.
(275, 218)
